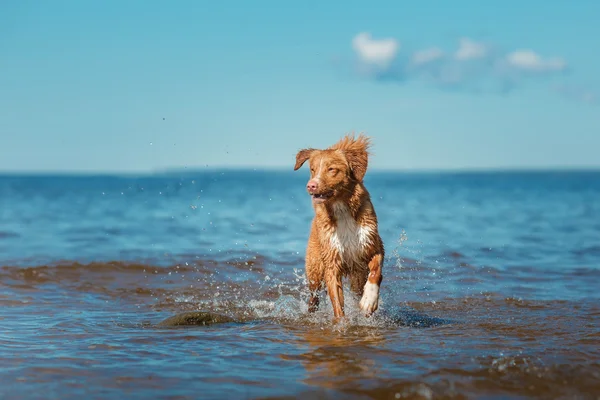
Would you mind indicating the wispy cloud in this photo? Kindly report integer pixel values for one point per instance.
(472, 66)
(528, 60)
(426, 56)
(578, 93)
(469, 50)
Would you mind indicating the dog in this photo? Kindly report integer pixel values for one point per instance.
(344, 239)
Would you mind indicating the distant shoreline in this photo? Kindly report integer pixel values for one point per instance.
(167, 172)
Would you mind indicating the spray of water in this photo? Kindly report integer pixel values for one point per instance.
(282, 298)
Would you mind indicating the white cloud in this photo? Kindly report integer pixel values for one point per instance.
(469, 50)
(472, 67)
(531, 61)
(426, 56)
(578, 93)
(375, 51)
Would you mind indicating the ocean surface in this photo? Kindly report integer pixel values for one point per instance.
(491, 288)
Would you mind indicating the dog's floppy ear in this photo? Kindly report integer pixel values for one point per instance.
(302, 156)
(358, 160)
(356, 151)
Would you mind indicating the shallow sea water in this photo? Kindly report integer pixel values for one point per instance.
(490, 291)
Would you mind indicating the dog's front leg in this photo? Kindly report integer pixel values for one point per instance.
(336, 294)
(314, 272)
(333, 279)
(370, 298)
(313, 301)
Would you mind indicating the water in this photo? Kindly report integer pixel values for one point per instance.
(490, 288)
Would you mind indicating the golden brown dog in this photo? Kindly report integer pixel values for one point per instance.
(344, 238)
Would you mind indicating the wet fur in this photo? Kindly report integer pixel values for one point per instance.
(344, 240)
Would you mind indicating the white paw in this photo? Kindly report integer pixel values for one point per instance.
(370, 298)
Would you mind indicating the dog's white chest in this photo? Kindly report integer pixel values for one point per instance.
(348, 237)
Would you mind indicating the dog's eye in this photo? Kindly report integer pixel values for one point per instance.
(331, 169)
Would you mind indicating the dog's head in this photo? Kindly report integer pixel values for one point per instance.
(334, 171)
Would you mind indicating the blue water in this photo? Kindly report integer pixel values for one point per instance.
(509, 261)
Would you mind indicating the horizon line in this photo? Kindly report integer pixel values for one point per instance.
(225, 168)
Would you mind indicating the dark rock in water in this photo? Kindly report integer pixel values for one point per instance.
(418, 320)
(405, 316)
(196, 318)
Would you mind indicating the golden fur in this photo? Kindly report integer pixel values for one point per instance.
(344, 238)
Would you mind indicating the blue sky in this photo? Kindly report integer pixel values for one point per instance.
(144, 85)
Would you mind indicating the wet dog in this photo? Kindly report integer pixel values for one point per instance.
(344, 240)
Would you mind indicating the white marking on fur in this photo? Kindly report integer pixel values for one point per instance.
(370, 298)
(320, 167)
(349, 238)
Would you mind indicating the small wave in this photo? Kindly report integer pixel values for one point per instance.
(67, 270)
(8, 235)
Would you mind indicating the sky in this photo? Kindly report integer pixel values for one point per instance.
(145, 85)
